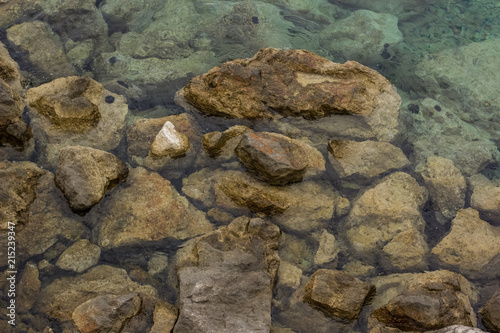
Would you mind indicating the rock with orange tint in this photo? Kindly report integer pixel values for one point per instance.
(299, 83)
(278, 159)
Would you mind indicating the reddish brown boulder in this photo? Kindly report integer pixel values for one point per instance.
(290, 82)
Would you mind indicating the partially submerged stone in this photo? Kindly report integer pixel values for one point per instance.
(472, 246)
(169, 142)
(432, 300)
(217, 143)
(337, 293)
(79, 257)
(226, 278)
(295, 83)
(364, 160)
(446, 186)
(73, 111)
(277, 159)
(84, 175)
(164, 317)
(106, 312)
(382, 212)
(146, 209)
(485, 197)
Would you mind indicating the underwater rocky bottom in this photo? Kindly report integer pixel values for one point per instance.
(280, 198)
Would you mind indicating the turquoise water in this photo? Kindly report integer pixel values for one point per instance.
(442, 56)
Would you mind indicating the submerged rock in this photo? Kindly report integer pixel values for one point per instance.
(146, 208)
(106, 312)
(79, 257)
(278, 159)
(485, 197)
(490, 313)
(382, 212)
(432, 300)
(44, 48)
(226, 278)
(364, 160)
(28, 287)
(406, 251)
(446, 186)
(461, 250)
(84, 174)
(36, 207)
(73, 111)
(337, 293)
(295, 83)
(61, 297)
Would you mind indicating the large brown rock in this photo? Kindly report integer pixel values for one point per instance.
(74, 111)
(485, 197)
(30, 200)
(490, 313)
(337, 293)
(446, 186)
(84, 174)
(226, 278)
(146, 208)
(278, 159)
(364, 160)
(295, 83)
(380, 213)
(472, 246)
(61, 297)
(432, 300)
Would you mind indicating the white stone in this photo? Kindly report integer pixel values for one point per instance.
(169, 142)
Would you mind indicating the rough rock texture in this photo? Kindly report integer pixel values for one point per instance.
(44, 47)
(485, 197)
(143, 132)
(306, 205)
(337, 293)
(472, 246)
(328, 248)
(31, 201)
(223, 143)
(458, 329)
(226, 278)
(28, 288)
(380, 213)
(446, 186)
(364, 160)
(490, 313)
(164, 317)
(106, 313)
(406, 251)
(169, 142)
(146, 208)
(75, 111)
(296, 83)
(362, 36)
(278, 159)
(79, 257)
(84, 174)
(60, 298)
(9, 72)
(432, 300)
(289, 274)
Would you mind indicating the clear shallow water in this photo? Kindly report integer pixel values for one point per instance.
(147, 50)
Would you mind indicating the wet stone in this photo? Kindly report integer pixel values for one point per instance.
(337, 294)
(217, 143)
(490, 313)
(169, 142)
(485, 197)
(79, 257)
(84, 174)
(106, 313)
(164, 317)
(276, 158)
(28, 287)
